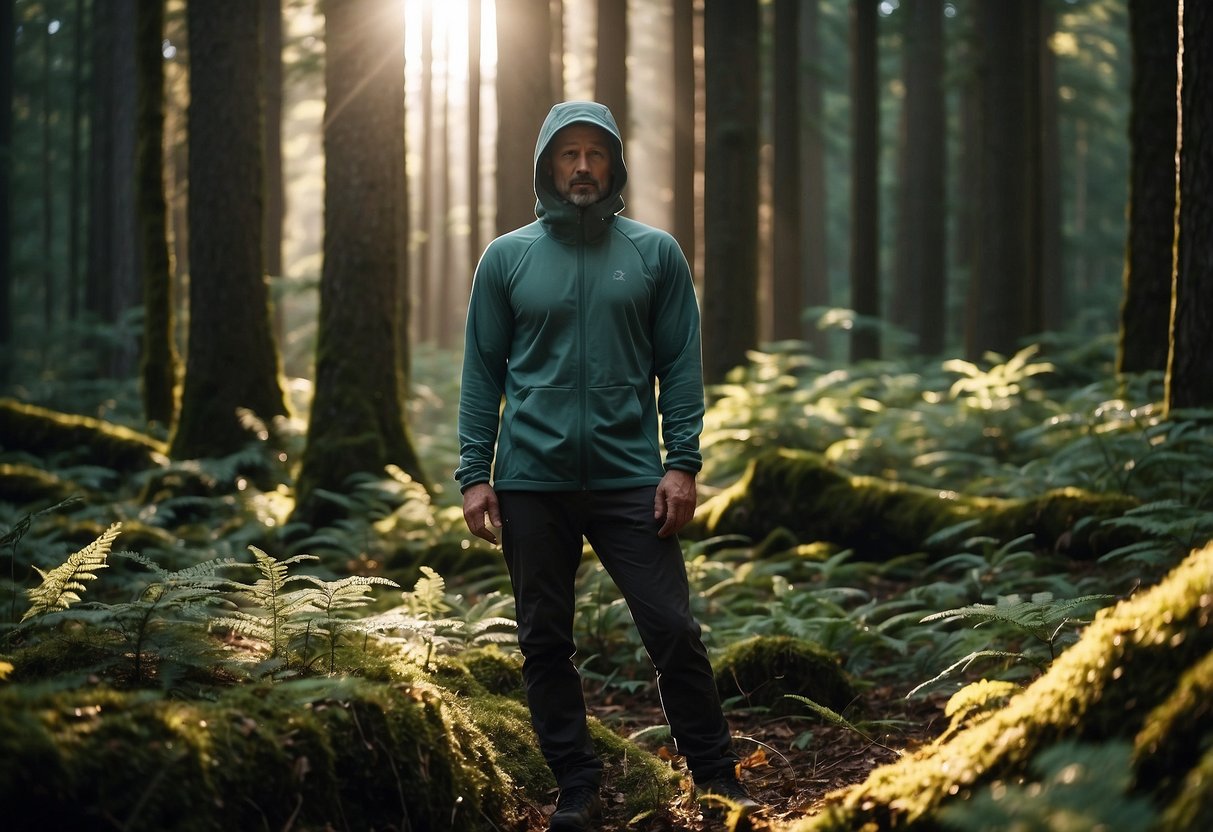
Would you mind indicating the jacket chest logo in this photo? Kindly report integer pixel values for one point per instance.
(619, 275)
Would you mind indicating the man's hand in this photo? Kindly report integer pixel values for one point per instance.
(675, 502)
(480, 500)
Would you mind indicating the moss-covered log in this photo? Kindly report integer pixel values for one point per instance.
(401, 749)
(816, 501)
(76, 439)
(1139, 674)
(25, 485)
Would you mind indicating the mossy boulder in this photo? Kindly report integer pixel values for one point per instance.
(801, 493)
(1139, 674)
(763, 670)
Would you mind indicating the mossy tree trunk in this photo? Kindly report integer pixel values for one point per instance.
(357, 423)
(1140, 674)
(232, 358)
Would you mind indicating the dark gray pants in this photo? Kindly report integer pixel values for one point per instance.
(542, 541)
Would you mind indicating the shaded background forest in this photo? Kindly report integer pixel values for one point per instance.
(880, 179)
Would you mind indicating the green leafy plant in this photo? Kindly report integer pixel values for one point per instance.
(61, 586)
(1040, 617)
(269, 611)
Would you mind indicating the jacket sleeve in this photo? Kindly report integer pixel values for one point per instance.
(487, 338)
(677, 362)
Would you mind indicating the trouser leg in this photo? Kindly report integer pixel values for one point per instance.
(541, 540)
(651, 575)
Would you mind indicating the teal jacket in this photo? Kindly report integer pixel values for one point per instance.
(572, 319)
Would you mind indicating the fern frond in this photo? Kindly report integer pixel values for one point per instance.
(963, 663)
(60, 587)
(428, 597)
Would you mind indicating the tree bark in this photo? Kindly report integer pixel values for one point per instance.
(113, 249)
(232, 361)
(787, 280)
(1005, 272)
(524, 96)
(7, 38)
(865, 181)
(357, 423)
(275, 187)
(920, 293)
(684, 128)
(1145, 314)
(1189, 380)
(813, 154)
(730, 279)
(473, 149)
(159, 357)
(610, 69)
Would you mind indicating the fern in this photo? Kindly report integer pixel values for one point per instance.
(273, 613)
(1041, 617)
(329, 602)
(832, 716)
(61, 587)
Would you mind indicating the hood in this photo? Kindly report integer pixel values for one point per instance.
(560, 217)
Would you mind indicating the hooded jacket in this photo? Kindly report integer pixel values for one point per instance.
(571, 321)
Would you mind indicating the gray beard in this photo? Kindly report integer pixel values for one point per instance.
(584, 200)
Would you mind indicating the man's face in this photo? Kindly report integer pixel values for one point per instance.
(579, 159)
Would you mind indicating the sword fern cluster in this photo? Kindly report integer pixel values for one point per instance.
(203, 618)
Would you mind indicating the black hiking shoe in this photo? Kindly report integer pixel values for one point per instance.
(727, 792)
(576, 809)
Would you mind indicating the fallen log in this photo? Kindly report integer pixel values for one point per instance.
(878, 518)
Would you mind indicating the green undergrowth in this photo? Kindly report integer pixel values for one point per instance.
(939, 500)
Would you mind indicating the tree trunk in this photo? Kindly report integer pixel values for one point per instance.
(1054, 306)
(444, 237)
(816, 292)
(357, 423)
(865, 181)
(921, 277)
(1006, 250)
(7, 38)
(684, 128)
(424, 273)
(730, 279)
(232, 361)
(787, 281)
(1145, 315)
(275, 188)
(76, 200)
(473, 148)
(1189, 380)
(159, 357)
(610, 69)
(524, 96)
(112, 289)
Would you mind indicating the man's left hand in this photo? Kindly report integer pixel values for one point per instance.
(675, 502)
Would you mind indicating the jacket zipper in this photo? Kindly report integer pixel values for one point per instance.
(583, 373)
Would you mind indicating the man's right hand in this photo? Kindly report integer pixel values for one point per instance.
(479, 501)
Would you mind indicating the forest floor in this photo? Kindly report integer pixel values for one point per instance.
(789, 781)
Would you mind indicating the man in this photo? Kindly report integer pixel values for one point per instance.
(571, 320)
